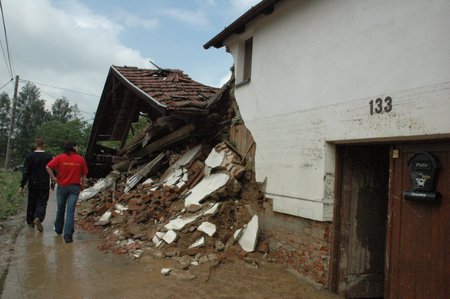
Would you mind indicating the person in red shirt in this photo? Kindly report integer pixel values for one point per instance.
(71, 171)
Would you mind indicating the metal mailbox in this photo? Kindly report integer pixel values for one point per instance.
(424, 169)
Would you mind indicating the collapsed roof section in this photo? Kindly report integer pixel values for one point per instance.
(176, 107)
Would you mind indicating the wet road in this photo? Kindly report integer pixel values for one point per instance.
(43, 266)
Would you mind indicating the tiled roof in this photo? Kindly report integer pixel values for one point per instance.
(170, 87)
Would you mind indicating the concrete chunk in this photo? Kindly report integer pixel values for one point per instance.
(157, 238)
(213, 210)
(206, 186)
(214, 158)
(104, 219)
(179, 222)
(250, 235)
(208, 228)
(170, 237)
(199, 243)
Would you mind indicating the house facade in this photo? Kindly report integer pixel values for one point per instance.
(343, 98)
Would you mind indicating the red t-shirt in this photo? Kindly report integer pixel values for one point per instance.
(69, 168)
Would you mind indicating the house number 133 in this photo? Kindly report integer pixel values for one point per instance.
(379, 105)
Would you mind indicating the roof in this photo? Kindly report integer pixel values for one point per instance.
(130, 92)
(170, 89)
(265, 7)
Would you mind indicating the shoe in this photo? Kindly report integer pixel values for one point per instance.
(57, 232)
(38, 224)
(68, 240)
(30, 224)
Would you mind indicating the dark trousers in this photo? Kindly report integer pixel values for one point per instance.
(37, 204)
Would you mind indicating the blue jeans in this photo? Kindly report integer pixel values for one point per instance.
(66, 199)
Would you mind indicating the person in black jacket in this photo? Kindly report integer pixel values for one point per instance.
(35, 174)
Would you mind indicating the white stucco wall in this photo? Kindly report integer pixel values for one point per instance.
(317, 65)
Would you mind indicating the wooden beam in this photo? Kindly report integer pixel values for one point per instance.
(170, 138)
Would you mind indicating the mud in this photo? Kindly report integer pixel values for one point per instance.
(41, 265)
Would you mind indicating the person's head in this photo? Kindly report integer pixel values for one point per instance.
(70, 147)
(39, 143)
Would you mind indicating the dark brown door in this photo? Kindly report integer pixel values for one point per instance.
(419, 232)
(361, 220)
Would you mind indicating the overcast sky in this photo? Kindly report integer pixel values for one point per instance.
(66, 47)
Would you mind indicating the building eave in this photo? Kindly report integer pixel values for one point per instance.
(238, 26)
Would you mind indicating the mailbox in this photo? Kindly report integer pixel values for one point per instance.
(424, 170)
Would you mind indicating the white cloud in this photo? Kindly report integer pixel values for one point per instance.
(131, 20)
(68, 47)
(196, 18)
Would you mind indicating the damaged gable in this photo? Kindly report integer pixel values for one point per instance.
(176, 108)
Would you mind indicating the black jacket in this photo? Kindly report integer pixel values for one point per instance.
(34, 171)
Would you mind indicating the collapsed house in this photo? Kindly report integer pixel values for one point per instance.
(178, 109)
(179, 187)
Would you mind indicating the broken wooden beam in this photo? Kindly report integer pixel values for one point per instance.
(133, 180)
(170, 138)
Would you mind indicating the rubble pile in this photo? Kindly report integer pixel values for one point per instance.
(198, 209)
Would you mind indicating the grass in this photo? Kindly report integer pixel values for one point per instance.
(10, 199)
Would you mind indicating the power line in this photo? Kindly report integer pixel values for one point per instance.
(56, 98)
(11, 69)
(6, 83)
(60, 88)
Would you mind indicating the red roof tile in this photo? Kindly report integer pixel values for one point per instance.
(169, 87)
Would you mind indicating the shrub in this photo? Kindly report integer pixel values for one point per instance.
(10, 199)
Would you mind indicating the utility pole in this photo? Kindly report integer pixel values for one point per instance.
(11, 123)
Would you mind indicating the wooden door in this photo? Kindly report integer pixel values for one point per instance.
(419, 232)
(361, 220)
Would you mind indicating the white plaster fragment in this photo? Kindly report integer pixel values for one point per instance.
(179, 222)
(189, 156)
(237, 234)
(180, 184)
(185, 177)
(250, 235)
(213, 210)
(170, 236)
(208, 228)
(214, 158)
(173, 177)
(182, 161)
(206, 186)
(99, 186)
(120, 207)
(157, 238)
(165, 271)
(148, 181)
(104, 219)
(199, 243)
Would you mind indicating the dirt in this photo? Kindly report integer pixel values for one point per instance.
(81, 270)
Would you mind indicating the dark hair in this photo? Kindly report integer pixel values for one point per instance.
(39, 142)
(69, 147)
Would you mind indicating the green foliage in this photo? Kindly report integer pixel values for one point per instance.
(62, 111)
(10, 199)
(33, 120)
(30, 114)
(5, 107)
(55, 133)
(137, 127)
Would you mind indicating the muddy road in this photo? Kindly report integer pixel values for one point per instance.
(40, 265)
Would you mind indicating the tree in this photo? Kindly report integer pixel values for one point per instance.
(5, 108)
(62, 111)
(56, 132)
(31, 113)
